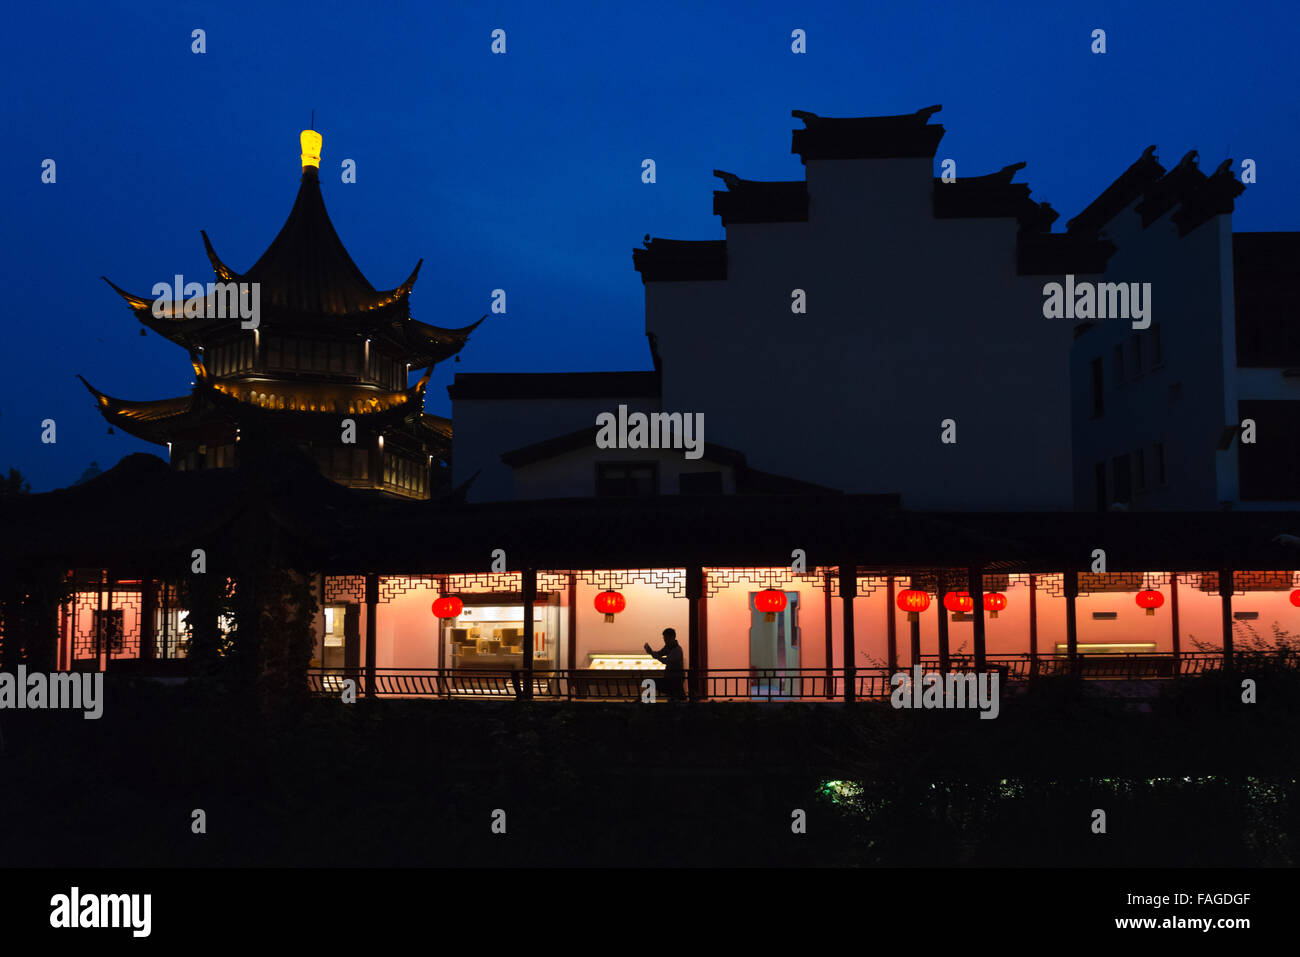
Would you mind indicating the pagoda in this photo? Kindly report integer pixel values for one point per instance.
(324, 365)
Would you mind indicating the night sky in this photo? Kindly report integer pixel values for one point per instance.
(523, 171)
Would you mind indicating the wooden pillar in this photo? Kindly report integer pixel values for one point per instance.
(829, 625)
(372, 652)
(1225, 596)
(945, 661)
(891, 622)
(915, 644)
(530, 597)
(1033, 624)
(148, 598)
(443, 624)
(166, 618)
(694, 592)
(573, 624)
(849, 591)
(1071, 620)
(976, 588)
(99, 621)
(1173, 617)
(704, 621)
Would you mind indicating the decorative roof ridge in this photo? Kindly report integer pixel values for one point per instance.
(1126, 188)
(1214, 196)
(904, 136)
(1171, 189)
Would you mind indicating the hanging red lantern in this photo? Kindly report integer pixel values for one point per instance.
(1150, 600)
(770, 601)
(958, 601)
(994, 602)
(448, 607)
(913, 602)
(609, 604)
(1295, 598)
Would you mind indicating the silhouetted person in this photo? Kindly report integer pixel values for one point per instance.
(671, 656)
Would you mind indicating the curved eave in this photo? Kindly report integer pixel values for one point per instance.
(151, 420)
(302, 403)
(436, 426)
(426, 345)
(224, 272)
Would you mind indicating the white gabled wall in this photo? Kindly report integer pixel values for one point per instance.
(911, 320)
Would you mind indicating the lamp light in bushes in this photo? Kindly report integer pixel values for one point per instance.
(769, 601)
(913, 602)
(449, 606)
(994, 602)
(1149, 599)
(609, 604)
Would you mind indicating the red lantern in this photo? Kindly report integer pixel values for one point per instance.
(1150, 600)
(609, 604)
(1295, 598)
(770, 601)
(994, 602)
(448, 607)
(958, 601)
(913, 602)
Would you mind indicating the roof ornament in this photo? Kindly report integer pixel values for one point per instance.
(311, 143)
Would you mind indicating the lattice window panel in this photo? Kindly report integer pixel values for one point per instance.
(1246, 581)
(553, 581)
(345, 589)
(482, 583)
(671, 580)
(391, 587)
(1053, 585)
(83, 638)
(867, 584)
(781, 578)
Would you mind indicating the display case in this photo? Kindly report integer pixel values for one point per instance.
(623, 661)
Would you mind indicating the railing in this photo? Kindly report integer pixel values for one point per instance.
(1107, 666)
(756, 684)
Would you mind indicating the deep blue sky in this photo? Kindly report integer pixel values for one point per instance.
(523, 171)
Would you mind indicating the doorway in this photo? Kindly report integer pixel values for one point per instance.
(774, 650)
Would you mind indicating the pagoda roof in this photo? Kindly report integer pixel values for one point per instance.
(158, 420)
(306, 269)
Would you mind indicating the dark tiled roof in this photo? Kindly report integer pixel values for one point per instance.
(1119, 195)
(1214, 197)
(1171, 189)
(752, 201)
(144, 513)
(306, 269)
(867, 137)
(993, 196)
(681, 260)
(554, 385)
